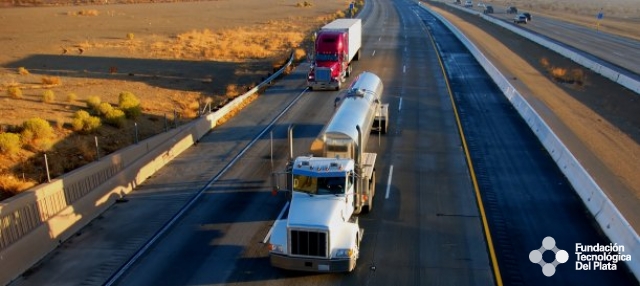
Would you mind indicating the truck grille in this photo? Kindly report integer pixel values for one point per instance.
(323, 74)
(308, 243)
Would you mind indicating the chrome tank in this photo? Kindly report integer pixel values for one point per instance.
(357, 108)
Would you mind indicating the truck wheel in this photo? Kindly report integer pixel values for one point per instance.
(310, 88)
(372, 193)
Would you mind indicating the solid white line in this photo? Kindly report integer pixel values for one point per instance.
(271, 229)
(389, 182)
(400, 104)
(374, 53)
(404, 69)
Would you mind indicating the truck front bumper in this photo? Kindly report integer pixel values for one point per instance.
(332, 85)
(312, 264)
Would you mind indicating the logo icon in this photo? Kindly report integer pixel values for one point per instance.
(561, 256)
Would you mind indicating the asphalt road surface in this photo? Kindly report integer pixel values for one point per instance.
(425, 228)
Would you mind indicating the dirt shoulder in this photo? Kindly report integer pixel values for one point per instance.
(598, 121)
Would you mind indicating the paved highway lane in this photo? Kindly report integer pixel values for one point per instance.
(526, 196)
(426, 231)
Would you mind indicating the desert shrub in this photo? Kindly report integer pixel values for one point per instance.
(304, 4)
(130, 104)
(23, 71)
(558, 73)
(9, 143)
(39, 128)
(14, 92)
(232, 91)
(93, 102)
(48, 96)
(130, 36)
(116, 117)
(578, 77)
(84, 122)
(37, 133)
(51, 80)
(545, 63)
(299, 54)
(91, 12)
(72, 97)
(339, 14)
(104, 108)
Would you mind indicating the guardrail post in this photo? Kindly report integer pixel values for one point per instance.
(46, 166)
(97, 148)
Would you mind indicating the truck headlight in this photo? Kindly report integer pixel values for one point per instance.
(345, 253)
(276, 248)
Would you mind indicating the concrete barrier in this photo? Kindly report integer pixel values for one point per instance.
(35, 222)
(610, 220)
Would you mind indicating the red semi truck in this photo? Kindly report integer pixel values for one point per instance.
(337, 45)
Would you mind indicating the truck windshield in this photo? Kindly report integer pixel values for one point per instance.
(319, 185)
(327, 57)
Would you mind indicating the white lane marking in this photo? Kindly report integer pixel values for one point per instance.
(386, 196)
(379, 38)
(374, 53)
(404, 69)
(271, 229)
(400, 104)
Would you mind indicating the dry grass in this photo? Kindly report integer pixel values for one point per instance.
(14, 92)
(304, 4)
(574, 76)
(11, 185)
(51, 80)
(23, 71)
(90, 12)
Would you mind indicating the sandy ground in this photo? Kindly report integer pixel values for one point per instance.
(157, 51)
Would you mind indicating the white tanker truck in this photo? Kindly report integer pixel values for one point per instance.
(320, 232)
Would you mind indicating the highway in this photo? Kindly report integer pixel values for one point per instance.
(425, 229)
(617, 52)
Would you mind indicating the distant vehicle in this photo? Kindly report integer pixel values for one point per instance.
(512, 10)
(520, 19)
(488, 9)
(528, 15)
(481, 4)
(468, 4)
